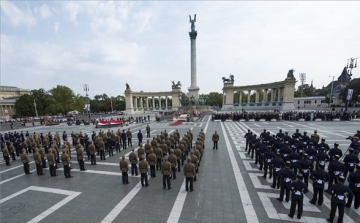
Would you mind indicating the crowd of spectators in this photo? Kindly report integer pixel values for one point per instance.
(285, 115)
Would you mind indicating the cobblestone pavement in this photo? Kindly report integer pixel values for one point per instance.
(229, 186)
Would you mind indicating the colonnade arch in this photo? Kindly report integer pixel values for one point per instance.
(139, 102)
(275, 95)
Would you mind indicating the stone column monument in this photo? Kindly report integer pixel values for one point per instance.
(193, 89)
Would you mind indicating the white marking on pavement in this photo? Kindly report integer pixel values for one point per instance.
(14, 167)
(180, 199)
(15, 177)
(122, 204)
(249, 210)
(273, 213)
(70, 195)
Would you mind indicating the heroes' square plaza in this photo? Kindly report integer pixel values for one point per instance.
(229, 186)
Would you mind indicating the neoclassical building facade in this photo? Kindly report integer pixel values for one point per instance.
(8, 97)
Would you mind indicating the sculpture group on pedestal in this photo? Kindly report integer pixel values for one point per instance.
(176, 86)
(229, 80)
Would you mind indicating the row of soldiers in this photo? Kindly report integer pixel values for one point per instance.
(165, 147)
(302, 157)
(291, 115)
(167, 153)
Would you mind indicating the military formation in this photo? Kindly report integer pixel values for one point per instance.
(165, 153)
(290, 115)
(291, 160)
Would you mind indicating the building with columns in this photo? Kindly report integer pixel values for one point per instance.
(270, 96)
(140, 102)
(8, 97)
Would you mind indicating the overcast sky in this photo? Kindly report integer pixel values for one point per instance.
(146, 44)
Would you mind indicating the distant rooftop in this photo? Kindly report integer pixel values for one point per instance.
(12, 88)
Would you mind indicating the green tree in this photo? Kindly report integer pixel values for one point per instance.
(62, 101)
(42, 98)
(24, 106)
(308, 91)
(355, 96)
(215, 99)
(119, 103)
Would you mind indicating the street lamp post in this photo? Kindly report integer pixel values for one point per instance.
(331, 93)
(86, 89)
(302, 77)
(111, 104)
(35, 109)
(351, 64)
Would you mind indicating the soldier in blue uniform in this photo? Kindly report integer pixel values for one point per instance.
(354, 185)
(336, 168)
(277, 164)
(298, 188)
(339, 192)
(286, 176)
(319, 178)
(350, 161)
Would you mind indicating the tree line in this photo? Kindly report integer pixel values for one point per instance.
(61, 100)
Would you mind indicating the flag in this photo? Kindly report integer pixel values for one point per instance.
(87, 107)
(349, 94)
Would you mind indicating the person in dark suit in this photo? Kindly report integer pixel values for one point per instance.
(354, 185)
(123, 139)
(298, 188)
(286, 176)
(140, 137)
(110, 146)
(306, 167)
(338, 194)
(319, 178)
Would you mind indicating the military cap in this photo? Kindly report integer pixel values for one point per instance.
(297, 130)
(305, 132)
(264, 130)
(278, 153)
(299, 176)
(286, 142)
(358, 165)
(311, 143)
(315, 131)
(322, 148)
(351, 149)
(336, 144)
(288, 162)
(323, 139)
(358, 131)
(305, 154)
(322, 164)
(286, 133)
(269, 146)
(248, 130)
(341, 178)
(337, 156)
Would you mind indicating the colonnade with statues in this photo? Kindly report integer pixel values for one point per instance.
(276, 95)
(140, 102)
